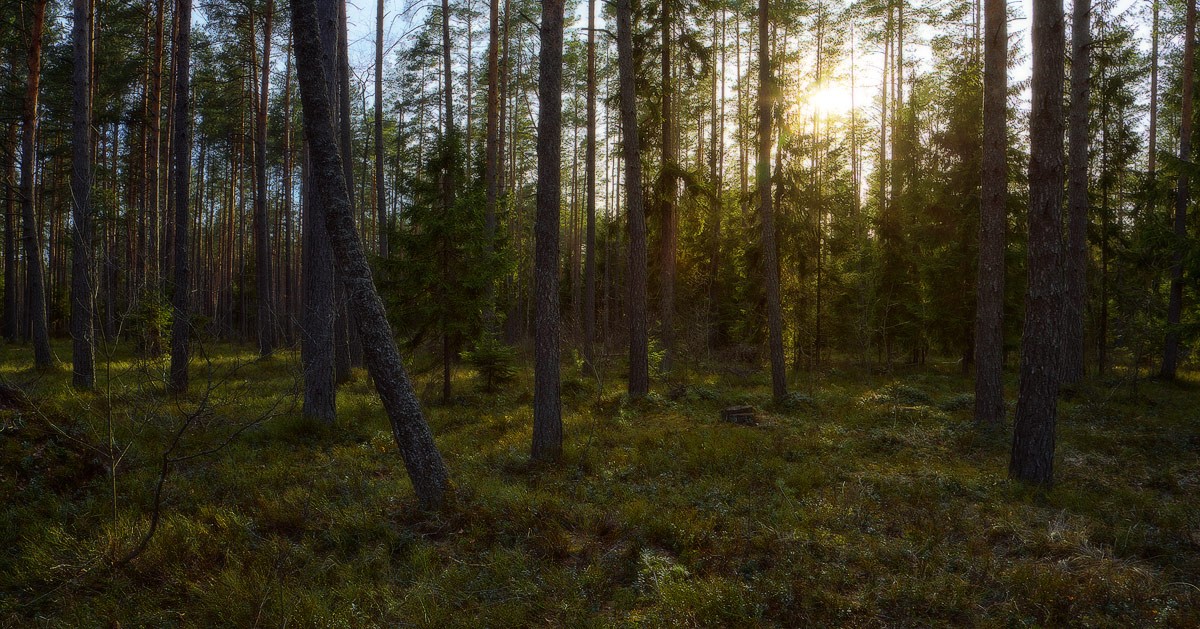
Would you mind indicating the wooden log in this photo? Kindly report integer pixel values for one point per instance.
(741, 415)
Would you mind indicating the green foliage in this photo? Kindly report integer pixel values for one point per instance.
(495, 361)
(437, 282)
(150, 323)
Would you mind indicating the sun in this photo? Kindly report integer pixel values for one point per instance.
(831, 99)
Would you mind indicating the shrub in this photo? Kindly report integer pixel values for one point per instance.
(495, 361)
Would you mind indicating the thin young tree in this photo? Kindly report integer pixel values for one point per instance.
(82, 302)
(766, 106)
(182, 147)
(547, 406)
(1032, 459)
(1170, 360)
(422, 460)
(43, 358)
(1077, 193)
(639, 366)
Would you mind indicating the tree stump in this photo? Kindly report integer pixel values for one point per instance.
(740, 415)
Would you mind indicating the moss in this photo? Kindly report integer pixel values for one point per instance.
(862, 502)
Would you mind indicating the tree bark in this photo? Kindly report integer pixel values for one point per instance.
(82, 297)
(639, 370)
(1077, 194)
(316, 334)
(343, 335)
(182, 147)
(1032, 458)
(424, 463)
(993, 220)
(1170, 361)
(262, 229)
(547, 408)
(766, 98)
(43, 358)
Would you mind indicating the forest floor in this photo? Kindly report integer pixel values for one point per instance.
(868, 500)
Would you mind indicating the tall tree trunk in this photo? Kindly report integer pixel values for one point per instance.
(343, 335)
(1152, 139)
(589, 263)
(993, 220)
(424, 463)
(1077, 194)
(667, 220)
(639, 370)
(491, 172)
(262, 229)
(1032, 458)
(1170, 361)
(547, 408)
(182, 146)
(153, 142)
(450, 140)
(766, 99)
(290, 268)
(82, 298)
(42, 356)
(9, 175)
(380, 189)
(316, 334)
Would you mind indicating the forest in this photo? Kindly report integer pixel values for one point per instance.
(762, 313)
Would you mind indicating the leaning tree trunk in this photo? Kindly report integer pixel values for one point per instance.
(639, 370)
(547, 408)
(262, 229)
(993, 221)
(42, 356)
(1077, 194)
(766, 98)
(82, 301)
(1032, 458)
(413, 437)
(1170, 361)
(182, 146)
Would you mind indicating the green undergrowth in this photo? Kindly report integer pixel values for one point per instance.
(862, 500)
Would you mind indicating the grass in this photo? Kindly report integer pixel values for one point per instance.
(866, 501)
